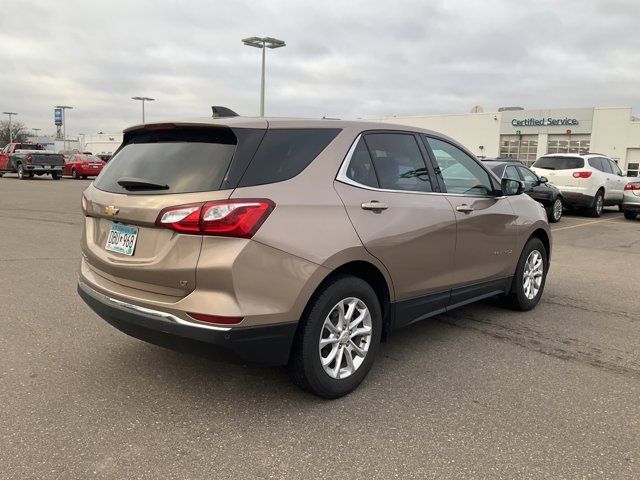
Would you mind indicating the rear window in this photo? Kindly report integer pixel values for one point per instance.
(178, 160)
(559, 163)
(284, 153)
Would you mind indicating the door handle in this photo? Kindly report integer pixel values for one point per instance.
(464, 208)
(374, 205)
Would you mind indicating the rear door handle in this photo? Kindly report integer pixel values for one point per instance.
(374, 205)
(464, 208)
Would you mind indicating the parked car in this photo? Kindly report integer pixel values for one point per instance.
(29, 159)
(589, 181)
(301, 242)
(631, 199)
(536, 187)
(80, 165)
(105, 157)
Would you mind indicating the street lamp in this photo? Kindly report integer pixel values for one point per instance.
(64, 123)
(265, 42)
(143, 99)
(10, 133)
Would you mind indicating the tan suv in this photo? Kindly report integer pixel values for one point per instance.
(301, 242)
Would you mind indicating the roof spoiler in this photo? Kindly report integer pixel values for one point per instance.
(222, 112)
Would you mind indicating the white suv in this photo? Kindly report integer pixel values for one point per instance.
(588, 181)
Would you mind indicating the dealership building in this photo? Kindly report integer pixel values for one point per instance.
(528, 134)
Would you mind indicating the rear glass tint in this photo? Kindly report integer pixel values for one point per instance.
(284, 153)
(559, 163)
(182, 159)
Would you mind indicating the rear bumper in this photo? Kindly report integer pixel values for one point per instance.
(577, 199)
(631, 207)
(89, 172)
(42, 169)
(270, 344)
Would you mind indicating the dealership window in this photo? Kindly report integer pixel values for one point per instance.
(569, 144)
(522, 147)
(633, 169)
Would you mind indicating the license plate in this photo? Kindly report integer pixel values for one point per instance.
(94, 166)
(46, 167)
(122, 239)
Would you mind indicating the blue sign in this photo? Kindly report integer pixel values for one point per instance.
(57, 116)
(541, 122)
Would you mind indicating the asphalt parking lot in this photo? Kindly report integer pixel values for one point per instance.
(482, 392)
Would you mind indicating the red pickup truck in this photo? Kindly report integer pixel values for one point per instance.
(29, 159)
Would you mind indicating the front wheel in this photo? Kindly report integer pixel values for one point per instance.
(630, 215)
(555, 212)
(531, 275)
(337, 339)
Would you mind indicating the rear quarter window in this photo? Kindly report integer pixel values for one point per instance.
(559, 163)
(285, 153)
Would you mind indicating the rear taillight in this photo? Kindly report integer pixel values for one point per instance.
(215, 318)
(632, 186)
(84, 204)
(226, 218)
(586, 174)
(29, 158)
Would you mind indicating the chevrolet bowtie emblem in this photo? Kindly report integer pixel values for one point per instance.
(111, 210)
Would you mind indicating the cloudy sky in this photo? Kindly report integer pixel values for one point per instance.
(343, 58)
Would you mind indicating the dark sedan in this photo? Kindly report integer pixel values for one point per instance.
(534, 186)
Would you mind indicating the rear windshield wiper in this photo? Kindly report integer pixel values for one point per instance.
(130, 183)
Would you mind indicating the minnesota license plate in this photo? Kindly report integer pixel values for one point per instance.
(122, 239)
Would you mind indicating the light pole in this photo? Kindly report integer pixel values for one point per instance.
(143, 99)
(263, 43)
(64, 123)
(36, 130)
(10, 133)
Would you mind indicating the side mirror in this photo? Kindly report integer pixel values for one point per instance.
(511, 187)
(544, 179)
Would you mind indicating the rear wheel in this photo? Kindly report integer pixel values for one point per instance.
(74, 174)
(531, 274)
(555, 212)
(595, 210)
(56, 176)
(338, 338)
(630, 215)
(22, 174)
(84, 177)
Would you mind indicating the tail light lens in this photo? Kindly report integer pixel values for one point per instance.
(29, 159)
(585, 174)
(227, 218)
(632, 186)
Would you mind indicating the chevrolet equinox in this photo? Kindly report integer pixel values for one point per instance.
(301, 242)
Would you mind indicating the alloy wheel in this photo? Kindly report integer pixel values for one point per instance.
(557, 209)
(532, 276)
(345, 338)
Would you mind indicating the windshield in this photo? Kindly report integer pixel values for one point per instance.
(559, 163)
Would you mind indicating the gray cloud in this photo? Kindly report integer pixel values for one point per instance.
(345, 59)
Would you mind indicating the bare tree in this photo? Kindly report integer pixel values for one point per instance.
(18, 130)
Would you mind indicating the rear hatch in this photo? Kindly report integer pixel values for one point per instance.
(157, 167)
(35, 157)
(559, 170)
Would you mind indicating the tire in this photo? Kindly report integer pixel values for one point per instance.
(630, 215)
(518, 298)
(620, 209)
(305, 365)
(555, 212)
(22, 175)
(595, 210)
(74, 174)
(84, 177)
(56, 176)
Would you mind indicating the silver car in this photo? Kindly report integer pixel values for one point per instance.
(631, 199)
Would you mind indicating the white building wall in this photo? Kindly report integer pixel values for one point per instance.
(615, 134)
(472, 130)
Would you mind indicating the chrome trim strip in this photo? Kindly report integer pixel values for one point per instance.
(342, 178)
(148, 311)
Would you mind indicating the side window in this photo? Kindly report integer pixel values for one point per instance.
(360, 167)
(528, 175)
(607, 165)
(284, 153)
(460, 172)
(596, 162)
(511, 172)
(398, 162)
(616, 168)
